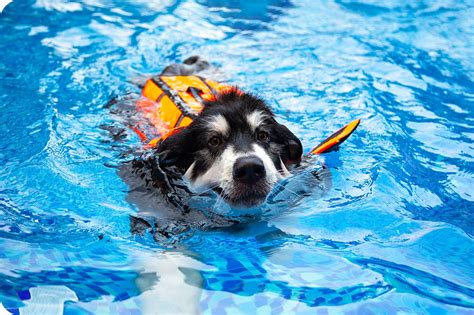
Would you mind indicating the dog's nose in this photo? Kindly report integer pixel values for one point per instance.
(248, 170)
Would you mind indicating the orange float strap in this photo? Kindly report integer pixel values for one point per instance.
(332, 142)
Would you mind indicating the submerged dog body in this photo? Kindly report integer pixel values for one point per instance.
(234, 147)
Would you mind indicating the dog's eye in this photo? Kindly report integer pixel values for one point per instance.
(263, 136)
(215, 141)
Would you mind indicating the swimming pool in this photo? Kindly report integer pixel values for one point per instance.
(394, 234)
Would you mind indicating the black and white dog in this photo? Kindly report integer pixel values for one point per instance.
(235, 150)
(234, 147)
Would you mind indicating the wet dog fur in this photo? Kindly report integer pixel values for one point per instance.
(234, 147)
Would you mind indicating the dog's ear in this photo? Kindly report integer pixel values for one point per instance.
(176, 149)
(293, 149)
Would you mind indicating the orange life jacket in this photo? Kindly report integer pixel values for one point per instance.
(172, 102)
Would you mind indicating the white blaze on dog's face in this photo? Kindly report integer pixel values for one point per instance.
(236, 148)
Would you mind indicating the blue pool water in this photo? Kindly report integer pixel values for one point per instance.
(394, 233)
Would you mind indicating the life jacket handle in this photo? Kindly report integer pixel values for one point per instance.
(196, 93)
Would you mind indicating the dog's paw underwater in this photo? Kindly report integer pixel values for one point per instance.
(213, 151)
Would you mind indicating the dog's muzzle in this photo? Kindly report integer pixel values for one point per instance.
(249, 170)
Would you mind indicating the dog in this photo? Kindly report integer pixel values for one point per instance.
(234, 152)
(235, 146)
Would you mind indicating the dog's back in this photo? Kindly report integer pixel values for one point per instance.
(190, 66)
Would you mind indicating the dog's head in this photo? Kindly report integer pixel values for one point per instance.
(235, 147)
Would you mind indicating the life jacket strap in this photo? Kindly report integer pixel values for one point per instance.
(332, 142)
(177, 100)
